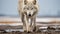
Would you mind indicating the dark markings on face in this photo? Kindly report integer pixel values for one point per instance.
(34, 2)
(25, 2)
(30, 8)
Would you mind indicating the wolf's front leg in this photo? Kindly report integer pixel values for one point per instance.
(27, 23)
(33, 24)
(23, 21)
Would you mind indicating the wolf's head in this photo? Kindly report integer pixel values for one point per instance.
(30, 8)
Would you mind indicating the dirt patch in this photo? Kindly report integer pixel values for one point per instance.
(30, 33)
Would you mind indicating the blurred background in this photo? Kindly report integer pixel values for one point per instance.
(47, 8)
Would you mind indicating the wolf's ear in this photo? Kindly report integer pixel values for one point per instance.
(25, 2)
(34, 2)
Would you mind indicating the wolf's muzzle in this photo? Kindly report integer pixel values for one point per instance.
(29, 14)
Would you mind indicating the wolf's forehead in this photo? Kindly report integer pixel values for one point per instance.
(29, 3)
(29, 6)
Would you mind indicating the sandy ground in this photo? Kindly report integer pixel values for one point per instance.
(31, 33)
(15, 23)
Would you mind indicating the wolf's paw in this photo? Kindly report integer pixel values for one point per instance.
(29, 32)
(25, 31)
(34, 29)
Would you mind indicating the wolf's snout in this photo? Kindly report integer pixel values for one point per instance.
(29, 14)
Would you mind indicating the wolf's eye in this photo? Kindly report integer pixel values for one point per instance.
(31, 8)
(27, 8)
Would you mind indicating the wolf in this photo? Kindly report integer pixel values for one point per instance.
(28, 10)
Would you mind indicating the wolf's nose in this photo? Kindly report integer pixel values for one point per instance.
(29, 14)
